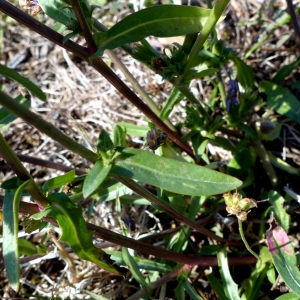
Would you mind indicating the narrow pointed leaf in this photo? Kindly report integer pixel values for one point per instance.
(160, 21)
(59, 181)
(172, 175)
(230, 287)
(58, 11)
(74, 230)
(283, 256)
(30, 86)
(281, 100)
(95, 178)
(280, 213)
(134, 269)
(10, 234)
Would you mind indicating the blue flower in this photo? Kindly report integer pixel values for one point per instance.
(232, 95)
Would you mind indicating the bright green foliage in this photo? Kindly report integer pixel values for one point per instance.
(280, 213)
(230, 287)
(69, 217)
(10, 234)
(95, 178)
(14, 75)
(258, 275)
(171, 175)
(59, 181)
(161, 21)
(281, 100)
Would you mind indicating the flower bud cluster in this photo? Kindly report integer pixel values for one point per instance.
(238, 206)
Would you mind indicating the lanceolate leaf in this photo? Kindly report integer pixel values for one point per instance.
(58, 10)
(136, 273)
(281, 100)
(280, 213)
(59, 181)
(283, 256)
(160, 21)
(171, 175)
(10, 234)
(230, 287)
(95, 178)
(74, 230)
(14, 75)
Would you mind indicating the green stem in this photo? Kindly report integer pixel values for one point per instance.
(212, 20)
(245, 241)
(35, 120)
(14, 162)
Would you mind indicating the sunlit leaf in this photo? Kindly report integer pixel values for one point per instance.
(10, 234)
(160, 21)
(95, 178)
(172, 175)
(281, 100)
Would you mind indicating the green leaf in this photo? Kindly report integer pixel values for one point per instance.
(59, 181)
(160, 21)
(230, 287)
(286, 71)
(175, 97)
(6, 116)
(119, 136)
(26, 247)
(134, 269)
(281, 100)
(257, 277)
(172, 175)
(142, 263)
(190, 290)
(283, 256)
(58, 11)
(134, 130)
(95, 178)
(110, 190)
(280, 214)
(14, 75)
(74, 231)
(200, 74)
(245, 73)
(10, 234)
(288, 296)
(104, 142)
(240, 163)
(217, 286)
